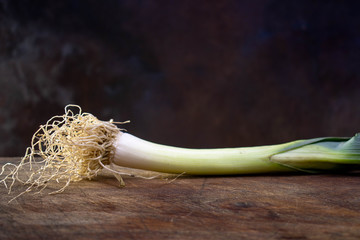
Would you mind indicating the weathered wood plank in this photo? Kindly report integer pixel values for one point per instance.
(251, 207)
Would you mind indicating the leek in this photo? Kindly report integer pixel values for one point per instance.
(77, 146)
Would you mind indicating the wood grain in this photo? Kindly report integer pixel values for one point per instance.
(237, 207)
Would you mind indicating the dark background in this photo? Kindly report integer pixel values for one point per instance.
(186, 73)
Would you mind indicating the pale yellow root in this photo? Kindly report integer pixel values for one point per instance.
(66, 149)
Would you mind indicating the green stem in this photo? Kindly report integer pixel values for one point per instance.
(326, 154)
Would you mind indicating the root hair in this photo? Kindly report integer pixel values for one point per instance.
(68, 148)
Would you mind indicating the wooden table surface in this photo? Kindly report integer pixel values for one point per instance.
(236, 207)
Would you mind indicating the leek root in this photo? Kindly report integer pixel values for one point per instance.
(77, 146)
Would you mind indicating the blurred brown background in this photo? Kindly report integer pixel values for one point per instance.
(186, 73)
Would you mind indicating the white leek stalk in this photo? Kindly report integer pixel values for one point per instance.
(310, 155)
(134, 152)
